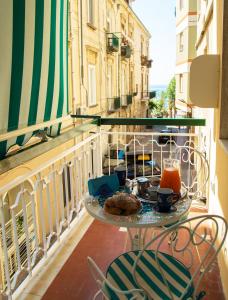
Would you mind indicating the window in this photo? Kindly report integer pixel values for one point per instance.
(181, 83)
(90, 7)
(92, 97)
(109, 25)
(181, 42)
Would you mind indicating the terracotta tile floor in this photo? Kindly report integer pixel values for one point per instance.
(103, 243)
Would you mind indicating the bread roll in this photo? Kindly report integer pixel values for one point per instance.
(122, 204)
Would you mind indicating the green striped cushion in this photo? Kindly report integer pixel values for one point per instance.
(119, 274)
(33, 66)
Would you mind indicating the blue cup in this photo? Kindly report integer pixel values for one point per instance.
(165, 198)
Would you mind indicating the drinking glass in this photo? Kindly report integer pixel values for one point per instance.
(171, 175)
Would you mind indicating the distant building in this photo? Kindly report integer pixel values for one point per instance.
(186, 27)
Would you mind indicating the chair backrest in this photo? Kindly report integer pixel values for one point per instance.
(175, 273)
(106, 288)
(195, 170)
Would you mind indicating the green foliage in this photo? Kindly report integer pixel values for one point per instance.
(171, 89)
(157, 107)
(171, 95)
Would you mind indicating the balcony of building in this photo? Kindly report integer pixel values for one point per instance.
(112, 43)
(46, 234)
(113, 104)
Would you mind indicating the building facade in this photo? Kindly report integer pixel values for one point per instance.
(186, 28)
(207, 91)
(110, 59)
(108, 75)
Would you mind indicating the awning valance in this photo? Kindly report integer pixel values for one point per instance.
(33, 66)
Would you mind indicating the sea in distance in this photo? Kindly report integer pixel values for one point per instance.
(159, 89)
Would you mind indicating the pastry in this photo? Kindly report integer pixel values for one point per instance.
(122, 204)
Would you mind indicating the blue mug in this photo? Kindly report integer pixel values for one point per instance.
(165, 199)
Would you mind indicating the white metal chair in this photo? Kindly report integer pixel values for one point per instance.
(195, 171)
(155, 274)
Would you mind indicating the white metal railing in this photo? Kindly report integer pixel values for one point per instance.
(144, 154)
(45, 204)
(37, 209)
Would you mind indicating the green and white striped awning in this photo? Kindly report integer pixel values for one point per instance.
(33, 66)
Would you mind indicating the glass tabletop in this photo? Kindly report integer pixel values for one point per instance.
(146, 217)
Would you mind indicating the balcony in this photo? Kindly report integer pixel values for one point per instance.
(129, 99)
(126, 51)
(124, 101)
(112, 43)
(143, 60)
(145, 95)
(113, 104)
(149, 63)
(47, 211)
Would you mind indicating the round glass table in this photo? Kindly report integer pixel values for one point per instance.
(146, 218)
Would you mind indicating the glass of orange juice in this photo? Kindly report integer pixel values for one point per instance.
(171, 175)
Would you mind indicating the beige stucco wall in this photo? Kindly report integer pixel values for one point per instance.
(185, 25)
(209, 41)
(185, 91)
(191, 44)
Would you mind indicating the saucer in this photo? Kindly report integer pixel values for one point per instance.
(172, 209)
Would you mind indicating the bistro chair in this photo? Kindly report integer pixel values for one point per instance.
(195, 171)
(153, 273)
(195, 175)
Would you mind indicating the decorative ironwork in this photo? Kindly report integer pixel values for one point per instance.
(112, 43)
(149, 63)
(129, 99)
(143, 60)
(113, 104)
(124, 101)
(126, 51)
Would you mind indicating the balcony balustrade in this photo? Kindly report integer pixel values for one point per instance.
(145, 95)
(124, 101)
(112, 43)
(45, 204)
(126, 51)
(129, 99)
(113, 104)
(149, 63)
(143, 60)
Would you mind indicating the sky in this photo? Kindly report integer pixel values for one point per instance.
(158, 17)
